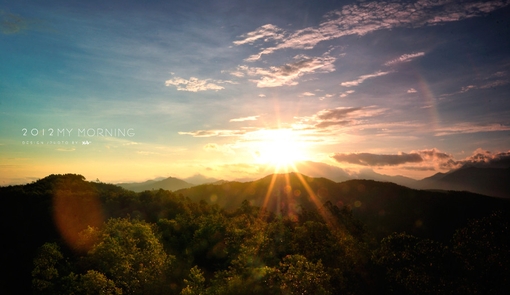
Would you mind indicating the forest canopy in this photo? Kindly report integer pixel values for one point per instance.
(160, 242)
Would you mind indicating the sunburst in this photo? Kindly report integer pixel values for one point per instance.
(280, 149)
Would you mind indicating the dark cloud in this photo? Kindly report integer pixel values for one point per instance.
(367, 159)
(432, 158)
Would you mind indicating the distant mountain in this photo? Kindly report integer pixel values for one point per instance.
(198, 179)
(316, 169)
(170, 183)
(481, 180)
(384, 207)
(398, 179)
(488, 181)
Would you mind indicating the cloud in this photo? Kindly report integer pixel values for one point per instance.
(495, 80)
(288, 74)
(211, 133)
(480, 158)
(213, 147)
(367, 159)
(411, 90)
(335, 114)
(346, 93)
(66, 149)
(462, 128)
(12, 23)
(404, 58)
(487, 159)
(361, 79)
(365, 17)
(308, 94)
(262, 95)
(341, 116)
(424, 160)
(195, 84)
(487, 85)
(326, 96)
(250, 118)
(266, 32)
(326, 124)
(419, 168)
(494, 84)
(433, 155)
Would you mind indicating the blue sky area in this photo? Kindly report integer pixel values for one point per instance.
(227, 89)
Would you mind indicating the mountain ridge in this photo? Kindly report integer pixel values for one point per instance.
(169, 183)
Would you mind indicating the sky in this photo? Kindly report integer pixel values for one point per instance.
(133, 90)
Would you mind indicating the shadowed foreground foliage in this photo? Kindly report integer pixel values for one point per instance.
(157, 242)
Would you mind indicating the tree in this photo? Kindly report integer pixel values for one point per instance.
(414, 265)
(196, 283)
(130, 254)
(46, 275)
(94, 282)
(483, 250)
(297, 275)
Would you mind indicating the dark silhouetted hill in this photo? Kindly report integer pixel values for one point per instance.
(383, 206)
(487, 181)
(198, 179)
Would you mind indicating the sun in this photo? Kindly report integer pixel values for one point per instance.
(280, 148)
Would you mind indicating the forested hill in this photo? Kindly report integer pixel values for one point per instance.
(65, 235)
(384, 207)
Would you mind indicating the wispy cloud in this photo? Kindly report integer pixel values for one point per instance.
(366, 17)
(266, 32)
(66, 149)
(307, 94)
(326, 96)
(411, 90)
(194, 84)
(211, 133)
(404, 58)
(461, 128)
(341, 116)
(495, 80)
(250, 118)
(213, 147)
(288, 74)
(346, 93)
(361, 79)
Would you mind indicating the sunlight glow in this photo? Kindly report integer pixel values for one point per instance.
(280, 148)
